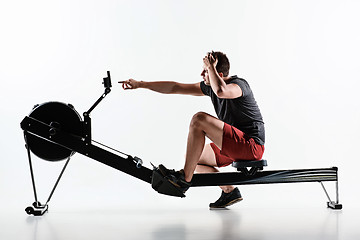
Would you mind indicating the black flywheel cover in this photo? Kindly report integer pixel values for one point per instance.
(63, 116)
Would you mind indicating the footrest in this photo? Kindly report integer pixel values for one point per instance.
(334, 205)
(246, 163)
(162, 185)
(37, 209)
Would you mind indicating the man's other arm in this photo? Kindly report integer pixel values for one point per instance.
(165, 87)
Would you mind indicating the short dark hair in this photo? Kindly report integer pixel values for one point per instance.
(223, 64)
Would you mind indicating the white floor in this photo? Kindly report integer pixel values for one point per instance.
(238, 222)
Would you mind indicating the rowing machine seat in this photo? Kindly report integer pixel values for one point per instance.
(246, 163)
(255, 165)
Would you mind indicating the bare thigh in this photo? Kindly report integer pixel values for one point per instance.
(212, 127)
(208, 156)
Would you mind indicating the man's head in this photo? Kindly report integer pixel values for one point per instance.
(222, 65)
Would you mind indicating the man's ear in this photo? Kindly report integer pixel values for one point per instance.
(221, 74)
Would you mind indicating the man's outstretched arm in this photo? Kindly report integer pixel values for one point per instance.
(166, 87)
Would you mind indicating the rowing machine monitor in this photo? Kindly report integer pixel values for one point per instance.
(107, 81)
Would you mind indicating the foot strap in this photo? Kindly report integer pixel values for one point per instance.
(162, 185)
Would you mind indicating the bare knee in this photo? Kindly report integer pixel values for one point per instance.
(197, 120)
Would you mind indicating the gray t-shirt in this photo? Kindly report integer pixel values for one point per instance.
(242, 112)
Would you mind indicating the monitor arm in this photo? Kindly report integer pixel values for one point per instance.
(87, 119)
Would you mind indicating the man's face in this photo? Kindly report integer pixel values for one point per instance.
(205, 77)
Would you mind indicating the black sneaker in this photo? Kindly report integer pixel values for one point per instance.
(227, 199)
(176, 178)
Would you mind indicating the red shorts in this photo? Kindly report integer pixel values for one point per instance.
(236, 146)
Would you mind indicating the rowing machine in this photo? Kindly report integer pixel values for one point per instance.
(54, 131)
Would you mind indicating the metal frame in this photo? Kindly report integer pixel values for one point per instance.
(132, 166)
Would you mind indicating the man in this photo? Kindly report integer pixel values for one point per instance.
(237, 134)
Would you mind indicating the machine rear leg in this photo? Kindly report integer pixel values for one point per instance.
(333, 204)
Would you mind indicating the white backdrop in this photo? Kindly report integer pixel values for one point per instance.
(300, 57)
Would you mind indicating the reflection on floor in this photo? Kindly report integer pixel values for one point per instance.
(197, 223)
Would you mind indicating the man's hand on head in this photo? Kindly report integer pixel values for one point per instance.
(209, 60)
